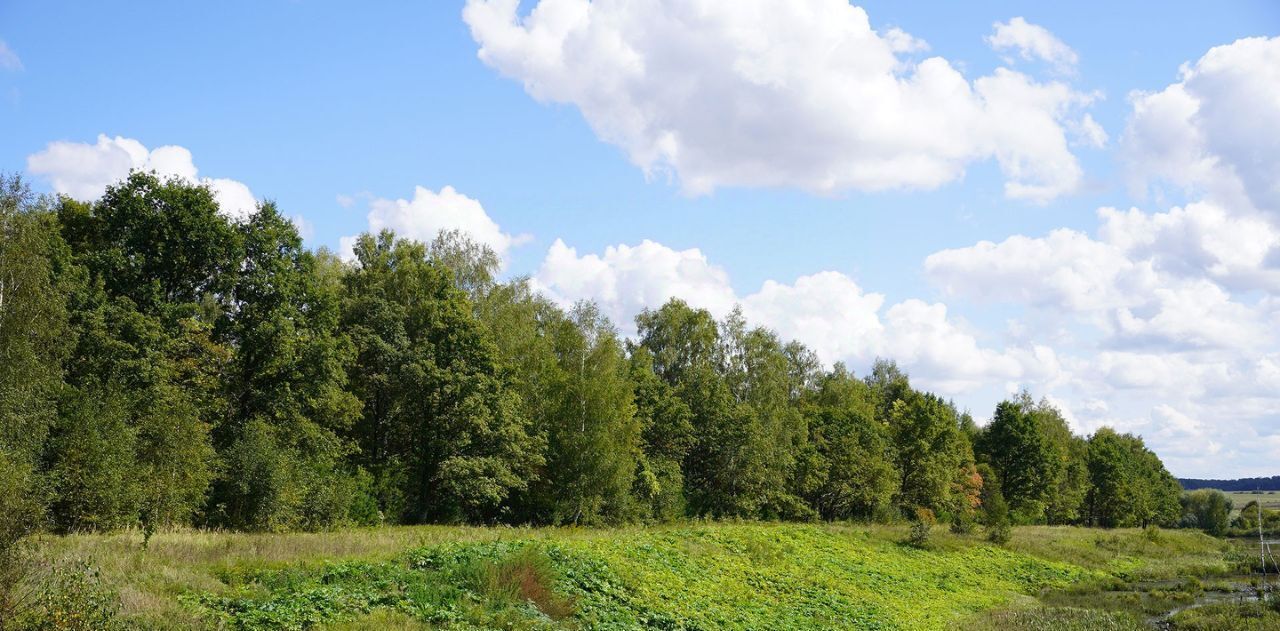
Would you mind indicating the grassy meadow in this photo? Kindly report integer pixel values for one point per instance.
(1270, 500)
(690, 576)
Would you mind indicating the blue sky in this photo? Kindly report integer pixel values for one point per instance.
(335, 113)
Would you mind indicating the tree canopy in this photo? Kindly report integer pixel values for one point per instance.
(166, 365)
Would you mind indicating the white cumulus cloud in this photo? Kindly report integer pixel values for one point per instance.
(826, 311)
(1214, 131)
(430, 212)
(801, 94)
(83, 171)
(626, 279)
(1160, 279)
(1171, 316)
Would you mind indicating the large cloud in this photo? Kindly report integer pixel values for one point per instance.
(429, 213)
(1148, 280)
(1171, 316)
(799, 94)
(83, 171)
(1215, 131)
(826, 311)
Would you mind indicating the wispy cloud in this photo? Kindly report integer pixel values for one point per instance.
(8, 59)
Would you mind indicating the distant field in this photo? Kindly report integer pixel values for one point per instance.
(1269, 499)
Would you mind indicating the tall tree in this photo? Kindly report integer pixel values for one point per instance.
(593, 434)
(933, 454)
(1129, 486)
(1019, 449)
(289, 374)
(667, 432)
(34, 330)
(160, 243)
(854, 468)
(445, 432)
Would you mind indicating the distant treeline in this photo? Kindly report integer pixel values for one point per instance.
(1241, 485)
(164, 365)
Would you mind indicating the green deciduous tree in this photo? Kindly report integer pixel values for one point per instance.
(1020, 452)
(443, 431)
(92, 470)
(931, 451)
(1207, 509)
(593, 436)
(854, 465)
(666, 426)
(289, 372)
(34, 331)
(1129, 486)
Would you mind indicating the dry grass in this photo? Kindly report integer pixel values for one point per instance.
(525, 576)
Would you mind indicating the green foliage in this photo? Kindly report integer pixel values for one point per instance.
(1207, 509)
(741, 577)
(261, 492)
(34, 327)
(174, 459)
(931, 451)
(167, 366)
(593, 437)
(441, 426)
(159, 243)
(852, 467)
(72, 598)
(1129, 486)
(92, 472)
(1019, 451)
(666, 430)
(995, 511)
(1246, 523)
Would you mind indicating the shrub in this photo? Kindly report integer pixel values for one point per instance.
(995, 511)
(72, 598)
(999, 533)
(20, 515)
(922, 522)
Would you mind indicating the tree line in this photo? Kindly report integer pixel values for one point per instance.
(1242, 485)
(166, 366)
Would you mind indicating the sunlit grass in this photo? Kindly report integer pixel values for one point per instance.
(745, 575)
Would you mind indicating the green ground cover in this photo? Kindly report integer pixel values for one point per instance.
(713, 576)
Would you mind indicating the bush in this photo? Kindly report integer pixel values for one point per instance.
(922, 522)
(20, 515)
(962, 524)
(995, 512)
(72, 598)
(1000, 533)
